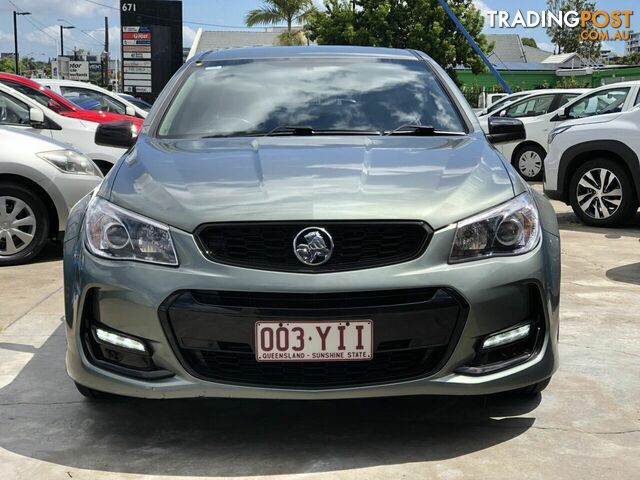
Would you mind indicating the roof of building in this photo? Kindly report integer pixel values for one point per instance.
(535, 55)
(562, 58)
(230, 39)
(508, 49)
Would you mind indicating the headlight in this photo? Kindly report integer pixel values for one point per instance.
(555, 132)
(512, 228)
(70, 161)
(115, 233)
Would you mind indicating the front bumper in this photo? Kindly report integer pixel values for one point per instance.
(491, 293)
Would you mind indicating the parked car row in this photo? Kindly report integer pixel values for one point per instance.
(543, 110)
(593, 166)
(49, 160)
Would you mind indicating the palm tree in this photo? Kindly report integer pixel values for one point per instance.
(273, 12)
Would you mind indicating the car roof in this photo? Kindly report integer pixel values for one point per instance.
(557, 90)
(61, 80)
(33, 84)
(324, 50)
(628, 83)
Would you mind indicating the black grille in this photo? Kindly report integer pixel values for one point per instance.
(357, 245)
(213, 333)
(386, 365)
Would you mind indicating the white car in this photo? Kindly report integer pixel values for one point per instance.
(107, 101)
(22, 113)
(504, 101)
(593, 166)
(40, 180)
(606, 100)
(527, 155)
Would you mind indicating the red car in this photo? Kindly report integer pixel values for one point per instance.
(59, 104)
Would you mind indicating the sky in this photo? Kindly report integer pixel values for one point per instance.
(39, 33)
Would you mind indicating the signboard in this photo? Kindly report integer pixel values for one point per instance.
(79, 71)
(151, 43)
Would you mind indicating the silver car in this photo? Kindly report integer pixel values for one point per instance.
(40, 180)
(311, 223)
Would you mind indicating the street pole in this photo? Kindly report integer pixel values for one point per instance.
(105, 79)
(62, 29)
(15, 39)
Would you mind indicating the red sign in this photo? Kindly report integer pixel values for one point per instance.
(136, 36)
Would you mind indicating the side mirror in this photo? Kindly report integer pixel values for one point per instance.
(503, 129)
(55, 106)
(36, 117)
(563, 114)
(129, 110)
(120, 134)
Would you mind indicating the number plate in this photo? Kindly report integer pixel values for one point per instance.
(314, 341)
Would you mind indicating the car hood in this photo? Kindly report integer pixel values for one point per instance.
(100, 117)
(186, 183)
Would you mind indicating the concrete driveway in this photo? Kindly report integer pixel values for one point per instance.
(586, 425)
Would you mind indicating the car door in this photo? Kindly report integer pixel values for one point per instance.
(14, 113)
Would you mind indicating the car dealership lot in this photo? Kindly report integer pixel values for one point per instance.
(585, 425)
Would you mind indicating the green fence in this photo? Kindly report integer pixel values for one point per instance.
(474, 85)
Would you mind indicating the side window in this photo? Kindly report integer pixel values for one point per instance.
(13, 111)
(530, 108)
(606, 101)
(30, 92)
(565, 97)
(504, 101)
(637, 102)
(104, 102)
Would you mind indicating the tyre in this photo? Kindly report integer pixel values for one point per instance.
(92, 394)
(602, 193)
(24, 224)
(534, 389)
(529, 162)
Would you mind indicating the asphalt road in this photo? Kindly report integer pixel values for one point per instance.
(586, 425)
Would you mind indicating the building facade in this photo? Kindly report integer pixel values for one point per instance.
(633, 44)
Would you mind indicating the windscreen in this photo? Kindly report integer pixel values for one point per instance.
(350, 95)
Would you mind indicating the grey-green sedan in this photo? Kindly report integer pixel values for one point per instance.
(311, 223)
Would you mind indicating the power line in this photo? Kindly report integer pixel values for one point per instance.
(92, 38)
(32, 22)
(102, 4)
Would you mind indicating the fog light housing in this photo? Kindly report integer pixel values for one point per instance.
(506, 337)
(119, 340)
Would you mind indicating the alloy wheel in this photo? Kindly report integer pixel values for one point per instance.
(17, 225)
(530, 163)
(599, 193)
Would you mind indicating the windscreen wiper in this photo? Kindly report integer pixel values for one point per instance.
(296, 130)
(308, 131)
(419, 130)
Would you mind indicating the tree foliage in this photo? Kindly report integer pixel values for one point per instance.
(567, 40)
(275, 12)
(629, 59)
(415, 24)
(529, 42)
(27, 65)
